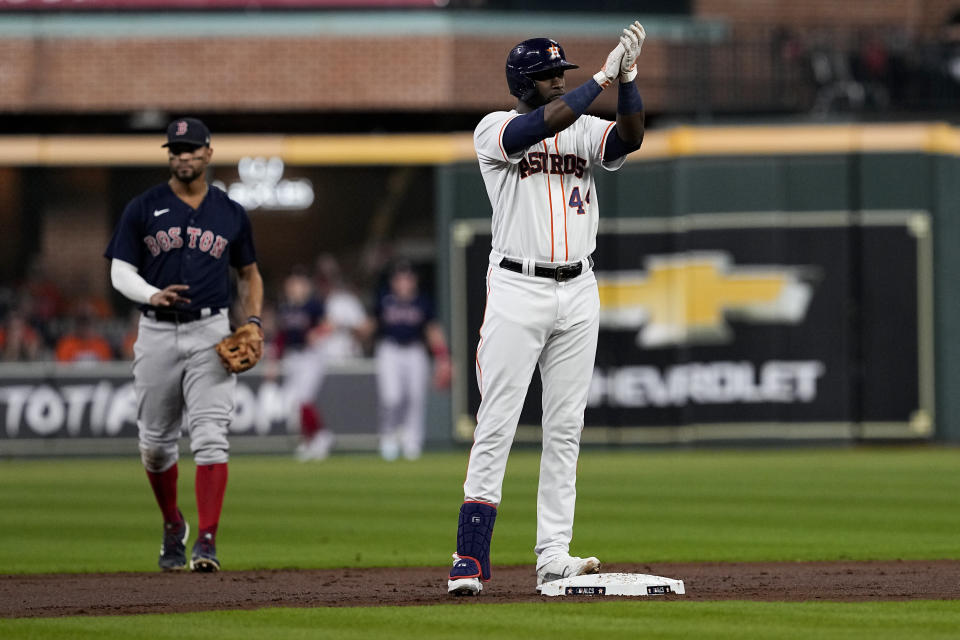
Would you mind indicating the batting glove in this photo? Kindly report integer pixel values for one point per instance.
(632, 40)
(611, 68)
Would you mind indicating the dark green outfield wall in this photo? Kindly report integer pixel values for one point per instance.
(792, 183)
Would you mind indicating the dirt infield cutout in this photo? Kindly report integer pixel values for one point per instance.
(49, 595)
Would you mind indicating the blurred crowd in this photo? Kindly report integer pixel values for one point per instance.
(39, 321)
(314, 319)
(879, 70)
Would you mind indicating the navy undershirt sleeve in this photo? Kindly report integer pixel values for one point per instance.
(524, 131)
(616, 147)
(531, 128)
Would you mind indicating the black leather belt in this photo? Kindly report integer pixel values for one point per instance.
(560, 273)
(180, 316)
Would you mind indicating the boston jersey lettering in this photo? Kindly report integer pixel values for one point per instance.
(184, 245)
(170, 239)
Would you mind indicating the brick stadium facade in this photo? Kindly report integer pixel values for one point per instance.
(918, 16)
(275, 74)
(415, 73)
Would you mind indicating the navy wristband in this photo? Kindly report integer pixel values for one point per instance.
(255, 320)
(628, 99)
(581, 97)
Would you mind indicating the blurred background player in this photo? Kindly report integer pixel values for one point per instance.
(320, 323)
(299, 346)
(406, 328)
(346, 326)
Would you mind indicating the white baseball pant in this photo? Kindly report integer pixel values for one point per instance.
(528, 321)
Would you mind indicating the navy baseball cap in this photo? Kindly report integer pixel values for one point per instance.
(187, 131)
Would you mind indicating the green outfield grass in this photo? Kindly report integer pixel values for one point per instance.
(358, 511)
(615, 620)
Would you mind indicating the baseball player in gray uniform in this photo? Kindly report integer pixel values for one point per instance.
(171, 252)
(538, 164)
(406, 329)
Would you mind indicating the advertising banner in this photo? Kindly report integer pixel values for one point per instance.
(45, 408)
(747, 326)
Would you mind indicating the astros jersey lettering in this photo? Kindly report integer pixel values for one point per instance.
(544, 199)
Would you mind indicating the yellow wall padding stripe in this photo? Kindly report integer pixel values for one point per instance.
(765, 140)
(380, 149)
(425, 149)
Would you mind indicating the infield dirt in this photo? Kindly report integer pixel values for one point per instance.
(52, 595)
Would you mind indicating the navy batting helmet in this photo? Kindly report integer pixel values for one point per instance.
(530, 57)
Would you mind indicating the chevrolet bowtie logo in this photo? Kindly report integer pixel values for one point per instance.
(687, 298)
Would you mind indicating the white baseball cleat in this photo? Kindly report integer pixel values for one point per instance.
(389, 447)
(317, 448)
(464, 577)
(566, 566)
(464, 587)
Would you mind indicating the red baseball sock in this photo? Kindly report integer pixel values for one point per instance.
(165, 489)
(310, 422)
(211, 483)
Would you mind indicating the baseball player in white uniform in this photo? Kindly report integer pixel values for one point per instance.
(538, 162)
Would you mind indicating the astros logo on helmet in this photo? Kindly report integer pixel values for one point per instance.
(530, 57)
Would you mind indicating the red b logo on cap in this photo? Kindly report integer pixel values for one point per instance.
(181, 127)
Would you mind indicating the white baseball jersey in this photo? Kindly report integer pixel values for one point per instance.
(544, 199)
(345, 311)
